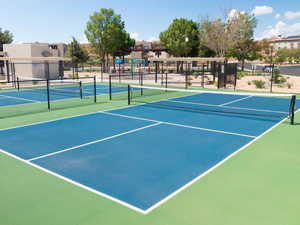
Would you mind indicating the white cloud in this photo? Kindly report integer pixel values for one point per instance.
(134, 35)
(291, 15)
(262, 10)
(282, 28)
(277, 16)
(234, 13)
(152, 39)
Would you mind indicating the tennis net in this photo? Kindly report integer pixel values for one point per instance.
(257, 105)
(69, 88)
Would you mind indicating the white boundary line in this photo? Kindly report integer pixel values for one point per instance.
(65, 118)
(211, 169)
(117, 200)
(37, 102)
(179, 125)
(84, 114)
(94, 142)
(24, 99)
(237, 100)
(75, 183)
(160, 202)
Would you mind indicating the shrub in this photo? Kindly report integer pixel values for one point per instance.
(278, 79)
(280, 85)
(260, 74)
(259, 83)
(289, 85)
(249, 82)
(241, 74)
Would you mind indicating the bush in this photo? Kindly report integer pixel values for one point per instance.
(249, 82)
(260, 74)
(289, 85)
(241, 74)
(75, 76)
(280, 85)
(259, 84)
(278, 79)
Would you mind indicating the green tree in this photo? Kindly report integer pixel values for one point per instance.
(241, 28)
(78, 54)
(106, 32)
(283, 55)
(214, 35)
(181, 38)
(5, 38)
(267, 51)
(297, 55)
(120, 44)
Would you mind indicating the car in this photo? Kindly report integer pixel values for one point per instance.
(268, 68)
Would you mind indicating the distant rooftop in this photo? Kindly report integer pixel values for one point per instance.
(295, 36)
(285, 39)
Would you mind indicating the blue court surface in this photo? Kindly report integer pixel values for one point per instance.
(140, 156)
(27, 96)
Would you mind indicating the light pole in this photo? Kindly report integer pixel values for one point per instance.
(186, 42)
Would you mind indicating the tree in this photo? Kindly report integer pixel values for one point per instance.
(120, 42)
(282, 55)
(297, 55)
(215, 36)
(205, 51)
(106, 32)
(181, 38)
(246, 50)
(241, 28)
(5, 38)
(267, 50)
(78, 54)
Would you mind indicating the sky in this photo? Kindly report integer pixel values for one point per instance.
(55, 21)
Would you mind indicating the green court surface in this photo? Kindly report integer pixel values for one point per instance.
(260, 185)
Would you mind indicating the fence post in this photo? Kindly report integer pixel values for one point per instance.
(48, 94)
(128, 94)
(110, 91)
(95, 90)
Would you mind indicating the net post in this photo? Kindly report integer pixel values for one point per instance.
(110, 91)
(202, 78)
(186, 81)
(48, 94)
(95, 90)
(156, 68)
(166, 85)
(101, 70)
(18, 83)
(80, 89)
(292, 109)
(272, 78)
(128, 94)
(141, 83)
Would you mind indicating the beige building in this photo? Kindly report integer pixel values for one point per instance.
(27, 59)
(285, 42)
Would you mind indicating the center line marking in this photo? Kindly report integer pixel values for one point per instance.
(241, 99)
(24, 99)
(94, 142)
(179, 125)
